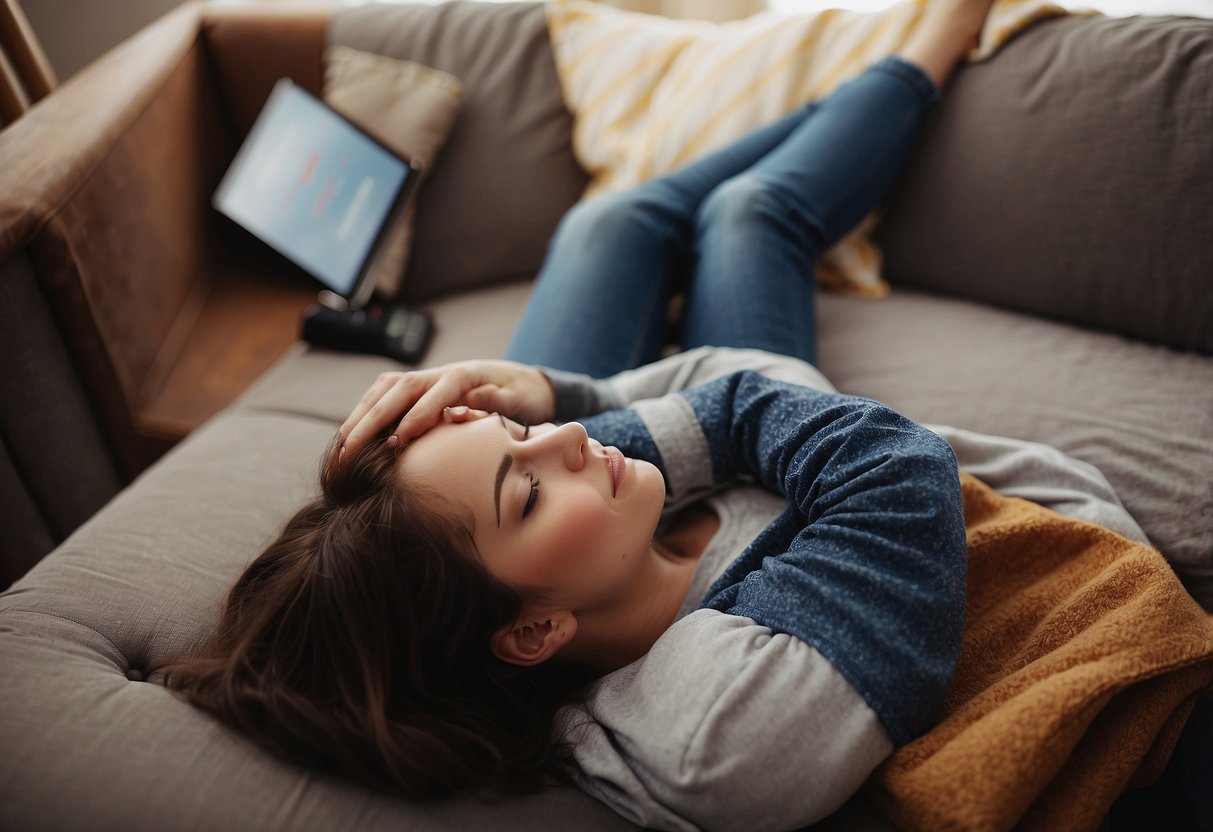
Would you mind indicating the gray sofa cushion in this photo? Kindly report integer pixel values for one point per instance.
(143, 580)
(1139, 413)
(1142, 414)
(1069, 177)
(93, 741)
(507, 173)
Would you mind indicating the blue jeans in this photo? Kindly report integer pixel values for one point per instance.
(739, 231)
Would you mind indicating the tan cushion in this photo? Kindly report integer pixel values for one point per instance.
(507, 173)
(408, 107)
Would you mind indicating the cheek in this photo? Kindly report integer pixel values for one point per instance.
(587, 536)
(582, 540)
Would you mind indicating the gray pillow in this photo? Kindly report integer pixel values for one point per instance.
(1071, 176)
(506, 173)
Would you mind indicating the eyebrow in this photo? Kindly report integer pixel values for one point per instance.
(502, 470)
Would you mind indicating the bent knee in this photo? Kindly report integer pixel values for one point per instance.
(743, 199)
(611, 219)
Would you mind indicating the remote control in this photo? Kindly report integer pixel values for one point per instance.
(392, 330)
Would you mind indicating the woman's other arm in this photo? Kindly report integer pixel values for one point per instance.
(868, 562)
(828, 641)
(410, 403)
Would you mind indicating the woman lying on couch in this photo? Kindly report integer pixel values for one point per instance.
(424, 625)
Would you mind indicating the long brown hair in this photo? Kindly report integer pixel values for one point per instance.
(358, 642)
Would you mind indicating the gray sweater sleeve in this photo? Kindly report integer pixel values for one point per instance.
(725, 725)
(1043, 475)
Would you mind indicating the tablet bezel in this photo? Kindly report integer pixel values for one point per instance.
(363, 285)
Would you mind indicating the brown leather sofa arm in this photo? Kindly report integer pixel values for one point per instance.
(105, 186)
(130, 313)
(254, 46)
(52, 151)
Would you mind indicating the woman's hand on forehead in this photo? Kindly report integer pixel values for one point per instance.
(410, 403)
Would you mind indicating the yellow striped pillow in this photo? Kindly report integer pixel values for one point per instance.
(649, 94)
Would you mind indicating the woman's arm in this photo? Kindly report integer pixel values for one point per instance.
(410, 403)
(868, 563)
(578, 396)
(828, 641)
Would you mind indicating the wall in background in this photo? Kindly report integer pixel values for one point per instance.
(75, 33)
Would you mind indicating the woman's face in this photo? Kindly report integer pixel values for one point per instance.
(550, 509)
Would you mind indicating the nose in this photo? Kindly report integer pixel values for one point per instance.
(569, 440)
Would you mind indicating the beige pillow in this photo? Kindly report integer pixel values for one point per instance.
(649, 94)
(408, 107)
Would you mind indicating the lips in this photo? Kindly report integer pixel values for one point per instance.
(615, 463)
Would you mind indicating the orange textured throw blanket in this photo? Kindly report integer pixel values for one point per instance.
(1082, 658)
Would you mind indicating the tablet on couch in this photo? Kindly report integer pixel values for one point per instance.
(316, 188)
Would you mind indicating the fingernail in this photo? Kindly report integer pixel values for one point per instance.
(459, 410)
(393, 441)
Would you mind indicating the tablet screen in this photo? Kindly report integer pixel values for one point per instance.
(313, 186)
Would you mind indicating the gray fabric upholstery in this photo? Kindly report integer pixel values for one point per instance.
(1061, 178)
(507, 173)
(92, 741)
(1141, 414)
(56, 469)
(89, 745)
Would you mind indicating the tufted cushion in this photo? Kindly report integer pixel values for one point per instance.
(91, 738)
(407, 106)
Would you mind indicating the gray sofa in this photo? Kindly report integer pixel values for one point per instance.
(1050, 248)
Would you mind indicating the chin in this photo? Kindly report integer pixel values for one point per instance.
(650, 481)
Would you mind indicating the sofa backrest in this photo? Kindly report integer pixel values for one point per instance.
(1071, 177)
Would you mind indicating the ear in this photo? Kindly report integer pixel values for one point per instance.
(533, 638)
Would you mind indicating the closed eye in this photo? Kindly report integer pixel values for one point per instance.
(531, 499)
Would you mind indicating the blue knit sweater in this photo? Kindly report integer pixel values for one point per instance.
(867, 564)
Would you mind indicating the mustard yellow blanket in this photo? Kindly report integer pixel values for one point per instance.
(1082, 659)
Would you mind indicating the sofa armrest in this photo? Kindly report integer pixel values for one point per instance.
(105, 186)
(117, 268)
(53, 150)
(253, 46)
